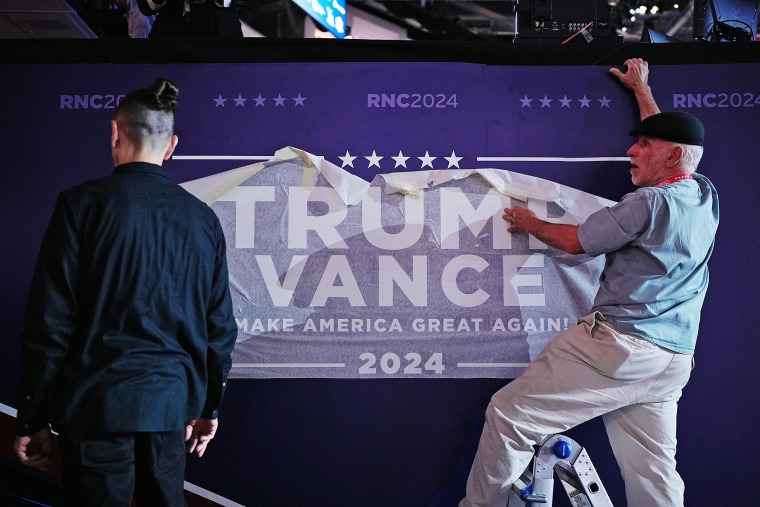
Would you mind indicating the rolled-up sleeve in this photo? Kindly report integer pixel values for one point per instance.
(611, 228)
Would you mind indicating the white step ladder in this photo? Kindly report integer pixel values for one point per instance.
(561, 455)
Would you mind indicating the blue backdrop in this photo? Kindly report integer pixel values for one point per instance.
(403, 442)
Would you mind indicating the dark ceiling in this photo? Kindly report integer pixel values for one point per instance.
(455, 20)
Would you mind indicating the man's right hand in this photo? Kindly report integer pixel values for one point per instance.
(35, 450)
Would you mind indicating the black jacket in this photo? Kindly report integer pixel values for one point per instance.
(129, 323)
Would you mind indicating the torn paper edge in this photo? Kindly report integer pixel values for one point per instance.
(352, 188)
(211, 188)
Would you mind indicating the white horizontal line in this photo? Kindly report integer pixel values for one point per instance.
(479, 159)
(5, 409)
(289, 365)
(210, 496)
(553, 159)
(221, 157)
(492, 365)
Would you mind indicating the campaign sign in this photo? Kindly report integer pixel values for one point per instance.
(414, 274)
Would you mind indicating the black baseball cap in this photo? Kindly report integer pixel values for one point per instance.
(676, 127)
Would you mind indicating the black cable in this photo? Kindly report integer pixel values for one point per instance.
(723, 31)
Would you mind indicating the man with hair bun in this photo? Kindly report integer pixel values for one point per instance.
(129, 327)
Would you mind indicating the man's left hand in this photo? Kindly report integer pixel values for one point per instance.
(520, 219)
(199, 432)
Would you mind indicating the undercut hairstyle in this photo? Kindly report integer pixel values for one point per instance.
(146, 116)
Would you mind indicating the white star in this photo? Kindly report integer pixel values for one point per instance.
(220, 101)
(565, 101)
(279, 100)
(347, 160)
(453, 160)
(299, 100)
(259, 101)
(239, 101)
(374, 159)
(546, 101)
(526, 101)
(585, 101)
(427, 160)
(604, 102)
(400, 160)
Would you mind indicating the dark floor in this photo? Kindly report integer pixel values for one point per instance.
(25, 488)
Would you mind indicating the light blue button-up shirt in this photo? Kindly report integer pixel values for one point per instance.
(657, 242)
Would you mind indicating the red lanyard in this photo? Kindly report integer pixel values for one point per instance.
(673, 179)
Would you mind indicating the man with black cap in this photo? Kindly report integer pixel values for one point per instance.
(630, 357)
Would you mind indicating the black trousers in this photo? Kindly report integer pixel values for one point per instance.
(112, 469)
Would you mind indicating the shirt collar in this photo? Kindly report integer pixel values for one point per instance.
(141, 167)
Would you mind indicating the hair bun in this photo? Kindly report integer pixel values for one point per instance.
(165, 93)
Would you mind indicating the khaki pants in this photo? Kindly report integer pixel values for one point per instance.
(588, 370)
